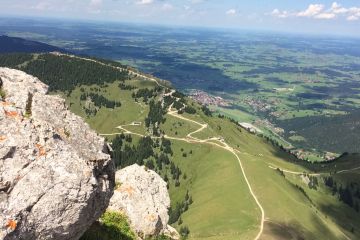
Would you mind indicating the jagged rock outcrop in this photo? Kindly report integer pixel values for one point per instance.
(56, 177)
(143, 197)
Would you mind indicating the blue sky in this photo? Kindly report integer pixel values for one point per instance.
(313, 16)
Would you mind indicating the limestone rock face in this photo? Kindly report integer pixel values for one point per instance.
(143, 197)
(56, 177)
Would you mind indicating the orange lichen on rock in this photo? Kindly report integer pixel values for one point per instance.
(129, 190)
(13, 114)
(2, 138)
(42, 151)
(17, 178)
(11, 224)
(151, 218)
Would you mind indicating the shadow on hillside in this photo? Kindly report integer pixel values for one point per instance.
(344, 217)
(294, 231)
(98, 231)
(347, 161)
(283, 231)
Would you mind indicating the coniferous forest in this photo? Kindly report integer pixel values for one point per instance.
(63, 73)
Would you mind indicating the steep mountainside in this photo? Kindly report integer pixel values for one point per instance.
(224, 182)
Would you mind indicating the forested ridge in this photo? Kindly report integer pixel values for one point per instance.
(63, 73)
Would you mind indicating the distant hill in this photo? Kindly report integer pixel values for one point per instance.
(16, 45)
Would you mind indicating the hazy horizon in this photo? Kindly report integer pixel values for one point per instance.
(41, 19)
(311, 17)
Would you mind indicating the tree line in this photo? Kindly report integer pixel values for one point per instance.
(125, 154)
(180, 208)
(155, 117)
(100, 101)
(123, 86)
(146, 94)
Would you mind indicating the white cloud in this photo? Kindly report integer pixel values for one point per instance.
(337, 8)
(312, 10)
(325, 15)
(319, 11)
(352, 18)
(280, 14)
(354, 11)
(145, 2)
(231, 12)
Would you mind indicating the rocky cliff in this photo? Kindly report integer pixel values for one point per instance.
(142, 196)
(56, 177)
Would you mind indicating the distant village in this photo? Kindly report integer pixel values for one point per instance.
(206, 99)
(259, 105)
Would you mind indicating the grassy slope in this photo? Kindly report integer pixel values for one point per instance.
(223, 207)
(332, 210)
(222, 202)
(285, 206)
(177, 127)
(106, 120)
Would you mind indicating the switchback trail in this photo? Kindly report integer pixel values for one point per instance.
(230, 149)
(190, 139)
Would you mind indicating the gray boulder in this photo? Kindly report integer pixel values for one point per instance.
(142, 196)
(56, 177)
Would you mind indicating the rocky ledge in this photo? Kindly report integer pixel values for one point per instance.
(142, 196)
(56, 177)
